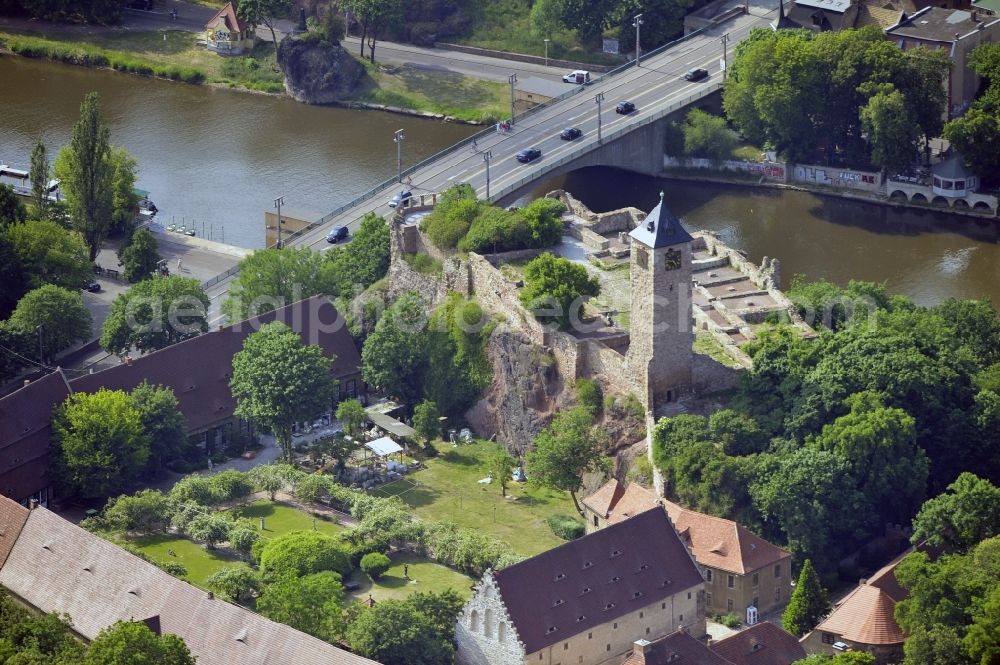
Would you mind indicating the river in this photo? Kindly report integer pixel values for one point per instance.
(219, 157)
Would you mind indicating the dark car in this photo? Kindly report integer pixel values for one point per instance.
(337, 233)
(696, 74)
(570, 133)
(624, 108)
(528, 155)
(92, 285)
(398, 199)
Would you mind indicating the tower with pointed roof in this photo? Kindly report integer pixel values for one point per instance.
(659, 356)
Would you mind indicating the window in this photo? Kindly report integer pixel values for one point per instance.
(502, 631)
(756, 579)
(689, 595)
(590, 636)
(708, 574)
(663, 606)
(607, 648)
(541, 656)
(640, 614)
(647, 630)
(595, 521)
(777, 570)
(488, 623)
(731, 581)
(681, 618)
(565, 646)
(729, 604)
(642, 258)
(708, 598)
(777, 594)
(616, 626)
(829, 638)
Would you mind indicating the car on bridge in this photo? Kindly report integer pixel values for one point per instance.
(696, 74)
(570, 134)
(528, 155)
(400, 198)
(625, 107)
(578, 76)
(336, 234)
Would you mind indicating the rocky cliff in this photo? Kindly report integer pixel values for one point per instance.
(318, 72)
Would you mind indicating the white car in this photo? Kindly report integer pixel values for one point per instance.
(577, 76)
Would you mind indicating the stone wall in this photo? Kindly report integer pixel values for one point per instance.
(766, 276)
(622, 219)
(710, 376)
(775, 171)
(483, 632)
(865, 181)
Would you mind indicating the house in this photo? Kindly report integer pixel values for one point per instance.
(55, 566)
(957, 32)
(197, 370)
(865, 619)
(824, 15)
(741, 569)
(535, 91)
(952, 179)
(761, 644)
(677, 648)
(227, 33)
(587, 601)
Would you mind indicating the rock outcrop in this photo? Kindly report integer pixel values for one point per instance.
(318, 72)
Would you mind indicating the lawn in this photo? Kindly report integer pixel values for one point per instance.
(448, 489)
(279, 519)
(200, 562)
(425, 575)
(706, 344)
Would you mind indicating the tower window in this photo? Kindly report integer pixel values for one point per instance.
(641, 256)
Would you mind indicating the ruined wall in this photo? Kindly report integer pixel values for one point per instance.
(709, 376)
(766, 276)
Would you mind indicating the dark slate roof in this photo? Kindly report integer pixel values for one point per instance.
(783, 22)
(25, 430)
(936, 24)
(595, 579)
(677, 648)
(760, 644)
(951, 168)
(660, 228)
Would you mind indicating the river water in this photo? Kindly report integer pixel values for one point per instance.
(219, 157)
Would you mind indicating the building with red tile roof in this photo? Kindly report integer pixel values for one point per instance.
(761, 644)
(227, 33)
(677, 648)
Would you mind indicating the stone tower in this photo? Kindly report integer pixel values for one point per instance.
(659, 354)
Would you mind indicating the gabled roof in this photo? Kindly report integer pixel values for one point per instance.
(56, 566)
(723, 544)
(677, 648)
(12, 518)
(616, 502)
(595, 579)
(880, 17)
(866, 616)
(228, 14)
(660, 228)
(761, 644)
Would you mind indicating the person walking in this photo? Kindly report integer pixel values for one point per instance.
(178, 265)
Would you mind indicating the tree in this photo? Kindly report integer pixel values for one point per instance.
(564, 451)
(130, 643)
(86, 174)
(60, 313)
(394, 632)
(555, 289)
(195, 490)
(546, 17)
(847, 658)
(162, 421)
(352, 416)
(146, 511)
(452, 216)
(12, 276)
(141, 257)
(500, 466)
(976, 136)
(808, 604)
(21, 347)
(155, 314)
(457, 367)
(257, 12)
(365, 261)
(313, 604)
(442, 608)
(394, 355)
(312, 488)
(706, 135)
(236, 583)
(891, 131)
(935, 645)
(375, 564)
(212, 529)
(12, 211)
(427, 420)
(969, 512)
(299, 553)
(983, 639)
(375, 16)
(736, 432)
(273, 278)
(124, 200)
(279, 381)
(51, 255)
(271, 478)
(242, 535)
(39, 180)
(926, 92)
(589, 18)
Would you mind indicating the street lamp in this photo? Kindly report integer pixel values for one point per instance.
(487, 156)
(398, 138)
(636, 22)
(278, 202)
(725, 55)
(599, 97)
(512, 79)
(546, 52)
(41, 355)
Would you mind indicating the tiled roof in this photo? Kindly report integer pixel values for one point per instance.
(58, 567)
(761, 644)
(228, 13)
(723, 544)
(677, 647)
(885, 580)
(596, 579)
(12, 518)
(616, 502)
(866, 616)
(877, 16)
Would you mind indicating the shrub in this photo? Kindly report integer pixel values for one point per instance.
(378, 544)
(588, 395)
(375, 564)
(145, 512)
(303, 553)
(243, 535)
(708, 136)
(212, 529)
(564, 526)
(544, 219)
(234, 582)
(730, 620)
(424, 263)
(452, 216)
(555, 289)
(312, 488)
(196, 489)
(231, 484)
(175, 568)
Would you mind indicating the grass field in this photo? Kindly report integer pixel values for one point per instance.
(200, 562)
(279, 519)
(424, 575)
(448, 489)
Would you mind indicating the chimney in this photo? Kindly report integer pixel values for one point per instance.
(975, 16)
(221, 327)
(27, 381)
(639, 650)
(211, 596)
(32, 504)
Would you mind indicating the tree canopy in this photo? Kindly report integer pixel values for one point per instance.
(955, 520)
(362, 263)
(394, 355)
(399, 632)
(312, 603)
(155, 314)
(163, 422)
(273, 278)
(556, 288)
(51, 255)
(976, 133)
(132, 642)
(60, 313)
(140, 257)
(808, 604)
(299, 553)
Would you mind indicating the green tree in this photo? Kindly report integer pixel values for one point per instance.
(124, 200)
(934, 645)
(12, 211)
(141, 257)
(564, 451)
(500, 465)
(51, 255)
(211, 529)
(63, 318)
(394, 632)
(99, 440)
(352, 416)
(242, 535)
(13, 277)
(589, 18)
(196, 489)
(706, 135)
(808, 604)
(555, 289)
(457, 368)
(155, 314)
(736, 432)
(273, 278)
(546, 17)
(162, 421)
(279, 381)
(312, 603)
(257, 12)
(299, 553)
(442, 608)
(969, 512)
(130, 643)
(85, 171)
(891, 131)
(452, 216)
(271, 478)
(146, 511)
(39, 180)
(236, 583)
(312, 488)
(364, 261)
(926, 92)
(375, 564)
(983, 639)
(393, 359)
(426, 420)
(976, 136)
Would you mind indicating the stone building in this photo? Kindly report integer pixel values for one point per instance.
(585, 602)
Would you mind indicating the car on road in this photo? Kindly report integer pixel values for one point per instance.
(398, 199)
(696, 74)
(92, 285)
(578, 76)
(624, 107)
(570, 134)
(336, 234)
(529, 155)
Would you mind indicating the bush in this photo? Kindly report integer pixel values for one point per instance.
(379, 545)
(424, 263)
(196, 489)
(588, 395)
(303, 553)
(234, 583)
(231, 484)
(375, 564)
(243, 535)
(708, 136)
(312, 488)
(452, 217)
(730, 620)
(175, 568)
(566, 527)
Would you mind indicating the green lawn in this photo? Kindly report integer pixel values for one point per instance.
(200, 562)
(279, 519)
(425, 575)
(448, 490)
(706, 344)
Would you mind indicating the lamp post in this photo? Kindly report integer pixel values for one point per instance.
(725, 55)
(599, 97)
(546, 52)
(512, 79)
(278, 202)
(41, 355)
(487, 156)
(398, 138)
(636, 22)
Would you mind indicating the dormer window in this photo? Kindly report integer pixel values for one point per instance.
(609, 606)
(586, 590)
(588, 565)
(580, 618)
(559, 601)
(637, 594)
(614, 579)
(616, 553)
(560, 576)
(550, 630)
